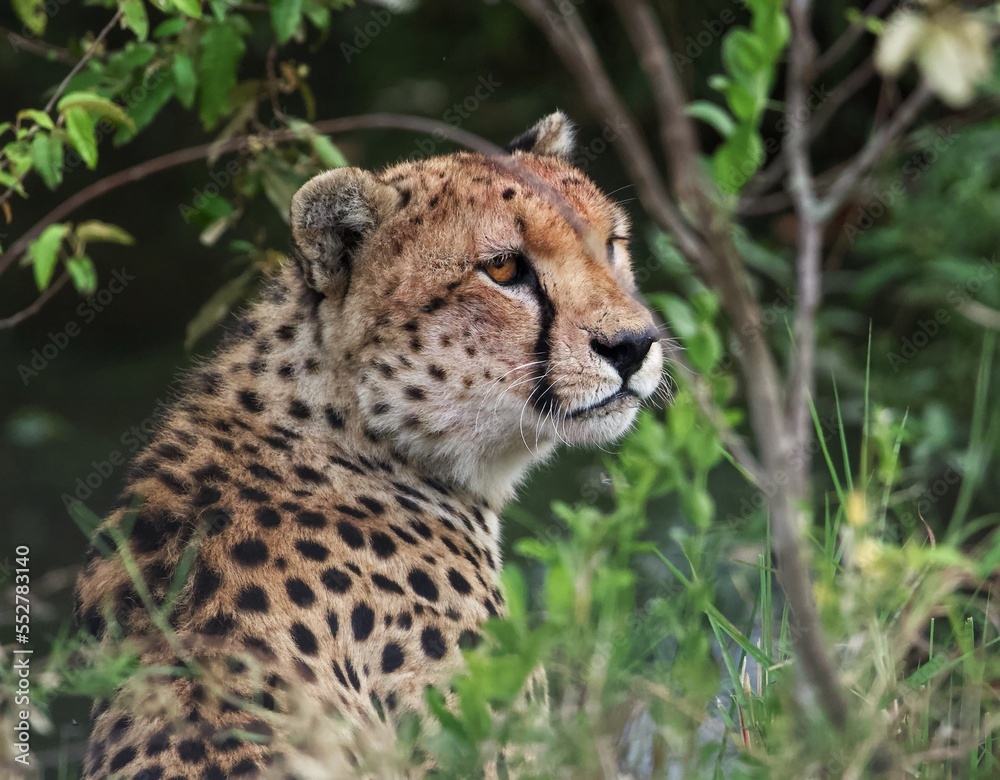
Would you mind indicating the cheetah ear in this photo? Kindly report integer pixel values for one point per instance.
(553, 135)
(332, 216)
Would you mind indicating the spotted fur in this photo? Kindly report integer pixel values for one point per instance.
(317, 519)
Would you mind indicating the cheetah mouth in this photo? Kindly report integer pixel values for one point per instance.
(618, 399)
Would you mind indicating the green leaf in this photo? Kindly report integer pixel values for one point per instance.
(47, 158)
(44, 253)
(713, 116)
(285, 18)
(32, 13)
(216, 308)
(191, 8)
(328, 152)
(185, 79)
(80, 129)
(220, 51)
(134, 14)
(160, 90)
(94, 230)
(96, 105)
(83, 273)
(169, 27)
(40, 118)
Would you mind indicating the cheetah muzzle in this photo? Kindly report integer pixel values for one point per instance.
(315, 526)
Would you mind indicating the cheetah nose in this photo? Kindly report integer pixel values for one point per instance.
(625, 351)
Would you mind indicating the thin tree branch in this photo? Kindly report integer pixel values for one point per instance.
(809, 639)
(329, 126)
(677, 133)
(774, 172)
(36, 306)
(65, 82)
(845, 183)
(39, 48)
(849, 37)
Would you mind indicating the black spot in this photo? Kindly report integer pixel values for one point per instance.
(333, 623)
(299, 592)
(458, 582)
(251, 552)
(122, 758)
(469, 640)
(299, 410)
(415, 393)
(206, 583)
(304, 639)
(362, 622)
(490, 608)
(211, 472)
(173, 483)
(384, 583)
(150, 531)
(208, 382)
(437, 372)
(380, 408)
(253, 598)
(263, 472)
(310, 519)
(509, 193)
(149, 773)
(214, 772)
(432, 642)
(170, 451)
(392, 657)
(351, 535)
(351, 511)
(333, 418)
(157, 743)
(352, 675)
(336, 580)
(251, 401)
(432, 305)
(206, 496)
(267, 517)
(423, 585)
(421, 528)
(404, 621)
(406, 537)
(119, 728)
(219, 625)
(312, 550)
(375, 507)
(285, 333)
(191, 751)
(345, 464)
(382, 544)
(307, 474)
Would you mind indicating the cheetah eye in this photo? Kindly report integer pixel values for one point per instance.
(506, 269)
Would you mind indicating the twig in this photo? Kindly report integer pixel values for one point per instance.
(35, 307)
(331, 126)
(810, 642)
(65, 82)
(873, 150)
(677, 133)
(42, 49)
(749, 201)
(849, 37)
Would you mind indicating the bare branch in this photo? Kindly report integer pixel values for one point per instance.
(849, 37)
(787, 518)
(677, 133)
(36, 306)
(88, 55)
(874, 149)
(41, 49)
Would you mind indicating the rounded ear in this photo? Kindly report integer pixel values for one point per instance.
(553, 135)
(332, 215)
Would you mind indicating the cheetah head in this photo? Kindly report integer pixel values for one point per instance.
(484, 310)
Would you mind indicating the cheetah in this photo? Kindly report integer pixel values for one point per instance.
(316, 523)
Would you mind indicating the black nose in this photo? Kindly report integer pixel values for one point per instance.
(625, 350)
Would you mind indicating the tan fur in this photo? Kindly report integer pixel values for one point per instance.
(336, 471)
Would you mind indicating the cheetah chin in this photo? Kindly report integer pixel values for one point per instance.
(316, 523)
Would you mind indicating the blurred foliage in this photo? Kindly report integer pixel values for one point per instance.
(646, 590)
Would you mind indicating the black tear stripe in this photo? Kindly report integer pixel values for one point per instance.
(543, 397)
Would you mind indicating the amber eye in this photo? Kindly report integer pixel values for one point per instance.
(504, 270)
